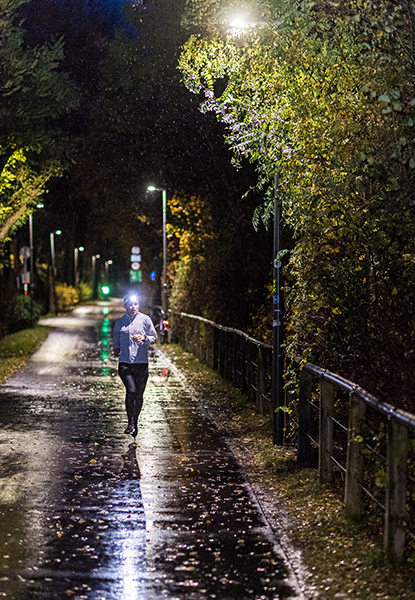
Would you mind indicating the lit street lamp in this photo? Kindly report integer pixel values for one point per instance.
(40, 205)
(240, 24)
(106, 269)
(277, 400)
(52, 249)
(75, 256)
(52, 291)
(94, 276)
(164, 302)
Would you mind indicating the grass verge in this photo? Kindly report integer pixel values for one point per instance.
(16, 349)
(345, 559)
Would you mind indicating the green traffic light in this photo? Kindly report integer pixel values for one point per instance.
(105, 289)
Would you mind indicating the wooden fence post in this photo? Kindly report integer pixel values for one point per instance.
(304, 417)
(229, 346)
(215, 357)
(220, 351)
(325, 464)
(260, 385)
(225, 354)
(249, 372)
(234, 360)
(210, 340)
(196, 351)
(395, 501)
(244, 386)
(354, 466)
(186, 326)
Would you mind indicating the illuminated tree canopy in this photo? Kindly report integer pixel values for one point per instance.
(323, 94)
(34, 94)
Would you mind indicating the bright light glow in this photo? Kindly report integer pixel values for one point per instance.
(151, 188)
(130, 299)
(58, 232)
(110, 262)
(239, 21)
(81, 248)
(105, 289)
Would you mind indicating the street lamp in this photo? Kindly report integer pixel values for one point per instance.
(277, 400)
(239, 24)
(52, 291)
(239, 21)
(75, 261)
(94, 276)
(164, 303)
(52, 249)
(106, 268)
(40, 205)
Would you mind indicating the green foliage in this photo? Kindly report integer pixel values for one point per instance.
(189, 230)
(34, 92)
(326, 98)
(66, 296)
(217, 267)
(84, 291)
(26, 313)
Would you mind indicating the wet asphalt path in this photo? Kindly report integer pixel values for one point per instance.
(78, 519)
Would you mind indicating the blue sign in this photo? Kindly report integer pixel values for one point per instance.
(153, 275)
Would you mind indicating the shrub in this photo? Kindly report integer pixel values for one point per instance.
(84, 292)
(25, 314)
(66, 296)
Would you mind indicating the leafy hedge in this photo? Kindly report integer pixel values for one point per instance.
(66, 296)
(26, 313)
(324, 95)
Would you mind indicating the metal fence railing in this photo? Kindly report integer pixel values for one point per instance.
(241, 359)
(368, 445)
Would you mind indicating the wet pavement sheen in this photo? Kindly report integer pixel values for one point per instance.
(86, 514)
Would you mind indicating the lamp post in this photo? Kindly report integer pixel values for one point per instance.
(52, 249)
(164, 299)
(277, 400)
(94, 276)
(75, 261)
(107, 269)
(52, 292)
(31, 250)
(239, 24)
(32, 262)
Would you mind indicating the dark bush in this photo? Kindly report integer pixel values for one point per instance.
(23, 317)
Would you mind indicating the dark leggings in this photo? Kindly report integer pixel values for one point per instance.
(134, 377)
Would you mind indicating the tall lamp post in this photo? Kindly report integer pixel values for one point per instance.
(52, 293)
(107, 269)
(52, 249)
(94, 276)
(32, 262)
(238, 24)
(277, 356)
(75, 262)
(164, 299)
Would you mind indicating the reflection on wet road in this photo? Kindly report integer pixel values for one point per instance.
(76, 518)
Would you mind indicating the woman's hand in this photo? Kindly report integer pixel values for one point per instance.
(138, 337)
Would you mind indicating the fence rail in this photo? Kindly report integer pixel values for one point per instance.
(238, 357)
(379, 456)
(359, 439)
